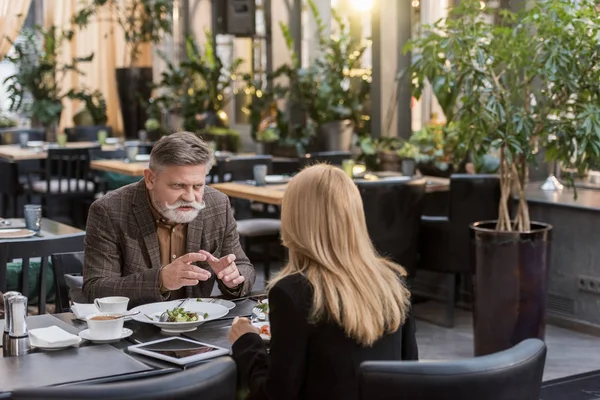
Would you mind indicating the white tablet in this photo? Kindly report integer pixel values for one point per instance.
(178, 350)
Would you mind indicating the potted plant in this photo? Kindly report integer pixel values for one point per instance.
(531, 79)
(198, 90)
(35, 87)
(91, 118)
(143, 22)
(332, 91)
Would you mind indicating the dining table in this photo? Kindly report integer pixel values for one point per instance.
(273, 193)
(14, 152)
(89, 362)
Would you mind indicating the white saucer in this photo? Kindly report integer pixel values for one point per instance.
(85, 334)
(57, 346)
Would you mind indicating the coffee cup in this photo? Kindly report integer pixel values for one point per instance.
(112, 304)
(105, 326)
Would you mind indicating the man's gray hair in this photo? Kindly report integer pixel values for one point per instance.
(178, 149)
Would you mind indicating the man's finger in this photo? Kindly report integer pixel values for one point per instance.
(239, 280)
(228, 259)
(231, 276)
(209, 256)
(189, 282)
(192, 257)
(201, 276)
(227, 271)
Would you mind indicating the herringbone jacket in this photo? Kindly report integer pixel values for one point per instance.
(122, 255)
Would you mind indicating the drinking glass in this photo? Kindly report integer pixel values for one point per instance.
(61, 139)
(23, 139)
(132, 153)
(348, 167)
(33, 217)
(260, 174)
(102, 135)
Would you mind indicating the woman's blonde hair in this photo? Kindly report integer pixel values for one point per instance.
(323, 226)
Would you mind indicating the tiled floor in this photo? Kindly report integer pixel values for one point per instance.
(569, 352)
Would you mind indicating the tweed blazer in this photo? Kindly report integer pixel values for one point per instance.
(122, 254)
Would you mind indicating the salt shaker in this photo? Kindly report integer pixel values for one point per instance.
(7, 320)
(18, 337)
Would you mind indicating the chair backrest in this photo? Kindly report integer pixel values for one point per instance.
(65, 263)
(214, 380)
(330, 157)
(239, 168)
(393, 211)
(11, 136)
(86, 133)
(474, 198)
(515, 373)
(36, 247)
(99, 154)
(70, 168)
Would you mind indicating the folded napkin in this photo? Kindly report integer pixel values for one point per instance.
(51, 336)
(82, 310)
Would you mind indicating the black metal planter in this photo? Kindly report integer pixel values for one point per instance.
(511, 285)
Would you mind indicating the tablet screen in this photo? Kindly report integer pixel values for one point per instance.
(178, 348)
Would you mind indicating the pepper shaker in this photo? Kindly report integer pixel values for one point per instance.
(7, 321)
(18, 337)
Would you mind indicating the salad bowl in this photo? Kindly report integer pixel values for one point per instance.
(186, 318)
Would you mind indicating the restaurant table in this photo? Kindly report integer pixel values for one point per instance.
(120, 167)
(99, 363)
(54, 237)
(273, 193)
(14, 152)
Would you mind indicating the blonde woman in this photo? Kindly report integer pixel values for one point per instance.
(335, 304)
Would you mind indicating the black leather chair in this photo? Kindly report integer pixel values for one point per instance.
(214, 380)
(445, 242)
(86, 133)
(330, 157)
(513, 374)
(66, 177)
(253, 232)
(65, 263)
(393, 210)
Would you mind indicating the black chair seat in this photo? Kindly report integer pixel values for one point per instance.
(258, 227)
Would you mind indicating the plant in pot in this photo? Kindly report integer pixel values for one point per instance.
(91, 119)
(143, 22)
(198, 90)
(330, 91)
(529, 80)
(35, 87)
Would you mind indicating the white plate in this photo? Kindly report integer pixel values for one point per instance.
(259, 324)
(56, 346)
(26, 233)
(229, 304)
(277, 179)
(150, 313)
(85, 334)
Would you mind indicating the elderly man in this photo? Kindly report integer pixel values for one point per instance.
(144, 239)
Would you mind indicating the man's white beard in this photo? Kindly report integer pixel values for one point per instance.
(171, 213)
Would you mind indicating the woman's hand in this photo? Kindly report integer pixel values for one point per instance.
(240, 327)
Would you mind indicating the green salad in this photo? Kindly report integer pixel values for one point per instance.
(180, 315)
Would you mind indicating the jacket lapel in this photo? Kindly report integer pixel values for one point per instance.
(146, 224)
(194, 234)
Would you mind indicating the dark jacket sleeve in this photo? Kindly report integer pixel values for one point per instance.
(102, 267)
(231, 245)
(410, 351)
(280, 374)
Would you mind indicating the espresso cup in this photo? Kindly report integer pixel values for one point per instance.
(113, 304)
(105, 326)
